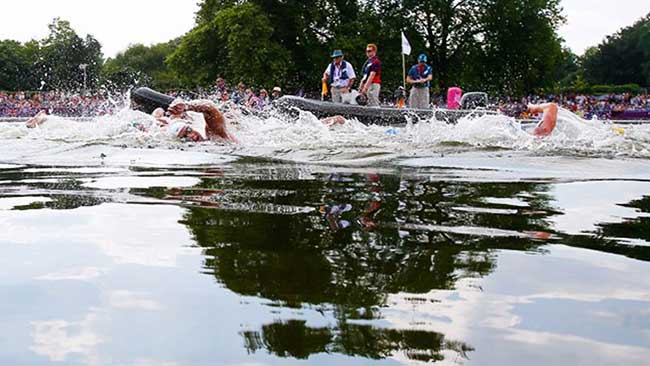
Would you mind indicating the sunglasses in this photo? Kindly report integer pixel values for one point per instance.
(368, 51)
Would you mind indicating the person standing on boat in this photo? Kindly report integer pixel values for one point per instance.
(371, 82)
(420, 77)
(340, 76)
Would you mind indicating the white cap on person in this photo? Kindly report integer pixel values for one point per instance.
(176, 101)
(176, 128)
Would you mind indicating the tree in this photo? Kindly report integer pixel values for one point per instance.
(521, 50)
(14, 66)
(449, 28)
(141, 65)
(237, 44)
(621, 58)
(61, 55)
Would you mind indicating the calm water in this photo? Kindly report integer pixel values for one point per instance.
(146, 254)
(261, 263)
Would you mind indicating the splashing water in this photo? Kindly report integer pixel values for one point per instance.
(306, 139)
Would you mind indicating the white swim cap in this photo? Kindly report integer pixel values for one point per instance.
(176, 128)
(158, 113)
(176, 101)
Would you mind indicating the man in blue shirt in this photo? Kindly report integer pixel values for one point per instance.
(420, 77)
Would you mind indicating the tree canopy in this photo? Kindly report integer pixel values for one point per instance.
(621, 58)
(51, 63)
(500, 46)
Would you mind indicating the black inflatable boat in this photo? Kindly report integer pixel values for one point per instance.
(370, 115)
(147, 100)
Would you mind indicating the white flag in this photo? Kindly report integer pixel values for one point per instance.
(406, 46)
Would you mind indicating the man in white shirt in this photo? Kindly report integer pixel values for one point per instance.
(340, 76)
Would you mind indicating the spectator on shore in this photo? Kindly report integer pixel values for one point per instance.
(264, 98)
(251, 100)
(239, 96)
(221, 90)
(276, 93)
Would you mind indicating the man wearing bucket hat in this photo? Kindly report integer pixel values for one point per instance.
(339, 75)
(420, 77)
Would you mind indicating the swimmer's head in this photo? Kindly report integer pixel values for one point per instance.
(177, 107)
(158, 113)
(177, 129)
(183, 130)
(176, 102)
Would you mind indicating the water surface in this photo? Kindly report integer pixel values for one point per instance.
(351, 248)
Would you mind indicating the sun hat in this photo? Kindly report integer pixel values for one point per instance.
(337, 53)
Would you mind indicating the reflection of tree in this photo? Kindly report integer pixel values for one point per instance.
(618, 238)
(296, 259)
(294, 339)
(302, 259)
(638, 228)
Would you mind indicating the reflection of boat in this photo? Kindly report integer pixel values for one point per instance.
(373, 115)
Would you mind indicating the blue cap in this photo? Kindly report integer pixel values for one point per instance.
(337, 53)
(422, 58)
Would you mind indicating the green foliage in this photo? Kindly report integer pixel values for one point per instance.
(141, 65)
(15, 71)
(501, 46)
(236, 44)
(51, 63)
(622, 58)
(504, 45)
(61, 54)
(615, 89)
(521, 50)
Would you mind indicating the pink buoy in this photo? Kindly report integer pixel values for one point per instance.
(453, 97)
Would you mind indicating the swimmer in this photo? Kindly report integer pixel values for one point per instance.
(334, 120)
(549, 118)
(159, 115)
(38, 119)
(178, 122)
(215, 123)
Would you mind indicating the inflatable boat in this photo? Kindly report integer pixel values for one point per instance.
(147, 100)
(373, 115)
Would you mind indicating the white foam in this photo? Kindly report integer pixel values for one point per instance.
(306, 139)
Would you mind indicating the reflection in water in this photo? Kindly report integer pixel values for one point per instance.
(371, 236)
(635, 228)
(294, 339)
(56, 339)
(357, 249)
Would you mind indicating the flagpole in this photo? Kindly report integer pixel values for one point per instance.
(404, 70)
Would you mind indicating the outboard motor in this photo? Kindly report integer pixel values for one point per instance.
(454, 97)
(400, 97)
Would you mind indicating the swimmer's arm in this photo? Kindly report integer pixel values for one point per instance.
(38, 119)
(214, 120)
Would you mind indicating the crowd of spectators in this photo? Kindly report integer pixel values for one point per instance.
(604, 107)
(241, 95)
(27, 104)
